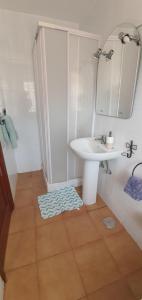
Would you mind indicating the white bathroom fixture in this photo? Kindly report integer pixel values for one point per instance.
(92, 152)
(57, 106)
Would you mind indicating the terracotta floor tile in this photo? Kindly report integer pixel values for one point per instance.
(59, 278)
(22, 284)
(79, 190)
(24, 197)
(75, 212)
(125, 251)
(116, 291)
(96, 265)
(20, 249)
(99, 204)
(81, 230)
(51, 239)
(24, 180)
(22, 219)
(36, 193)
(98, 216)
(39, 190)
(37, 181)
(135, 283)
(40, 221)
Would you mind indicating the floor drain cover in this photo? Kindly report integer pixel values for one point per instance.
(109, 223)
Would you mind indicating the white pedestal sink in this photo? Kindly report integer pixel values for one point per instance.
(92, 152)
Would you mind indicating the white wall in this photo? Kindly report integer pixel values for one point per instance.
(17, 32)
(106, 15)
(109, 14)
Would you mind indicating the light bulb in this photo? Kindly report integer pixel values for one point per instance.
(126, 39)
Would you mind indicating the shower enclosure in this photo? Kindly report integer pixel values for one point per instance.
(65, 82)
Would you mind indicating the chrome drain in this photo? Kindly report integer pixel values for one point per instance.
(109, 222)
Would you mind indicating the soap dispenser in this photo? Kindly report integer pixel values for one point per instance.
(109, 141)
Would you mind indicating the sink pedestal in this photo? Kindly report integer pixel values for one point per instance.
(92, 152)
(90, 181)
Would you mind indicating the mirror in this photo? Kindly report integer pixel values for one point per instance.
(118, 63)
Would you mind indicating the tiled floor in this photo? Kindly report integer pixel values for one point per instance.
(68, 257)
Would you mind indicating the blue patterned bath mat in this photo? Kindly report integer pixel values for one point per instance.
(56, 202)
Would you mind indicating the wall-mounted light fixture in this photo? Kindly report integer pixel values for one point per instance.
(108, 55)
(127, 38)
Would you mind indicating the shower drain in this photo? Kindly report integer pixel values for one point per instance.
(109, 222)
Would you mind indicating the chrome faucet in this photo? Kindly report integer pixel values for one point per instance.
(102, 139)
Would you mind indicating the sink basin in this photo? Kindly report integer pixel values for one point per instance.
(90, 149)
(92, 152)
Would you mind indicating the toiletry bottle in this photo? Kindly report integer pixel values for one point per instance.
(109, 141)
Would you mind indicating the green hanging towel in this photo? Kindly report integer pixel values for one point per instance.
(2, 140)
(5, 135)
(13, 136)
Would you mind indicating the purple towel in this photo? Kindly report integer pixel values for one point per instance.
(134, 188)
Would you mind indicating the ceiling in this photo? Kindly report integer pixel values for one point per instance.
(69, 10)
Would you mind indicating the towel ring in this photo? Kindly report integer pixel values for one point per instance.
(135, 168)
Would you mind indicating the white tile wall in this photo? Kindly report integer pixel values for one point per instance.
(111, 186)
